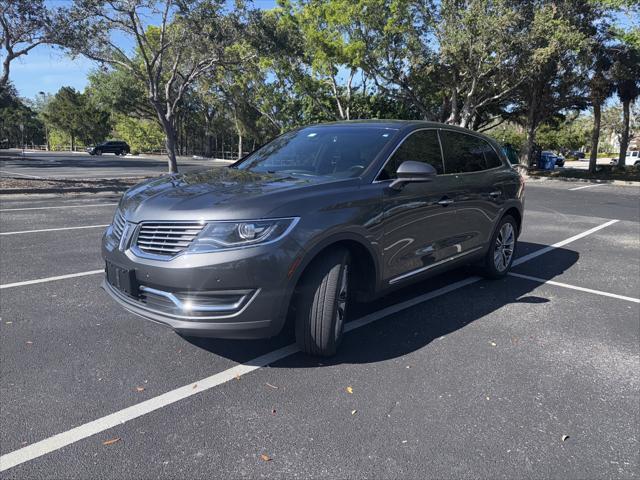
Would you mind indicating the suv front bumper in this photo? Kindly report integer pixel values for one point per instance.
(240, 294)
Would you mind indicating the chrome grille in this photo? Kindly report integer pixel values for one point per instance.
(166, 238)
(118, 225)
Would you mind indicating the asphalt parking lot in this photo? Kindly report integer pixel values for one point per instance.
(80, 165)
(535, 375)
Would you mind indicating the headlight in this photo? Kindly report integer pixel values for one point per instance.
(228, 235)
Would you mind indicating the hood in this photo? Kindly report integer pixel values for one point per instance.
(213, 194)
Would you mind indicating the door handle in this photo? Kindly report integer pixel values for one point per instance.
(445, 201)
(495, 194)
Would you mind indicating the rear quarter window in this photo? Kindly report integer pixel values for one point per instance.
(466, 153)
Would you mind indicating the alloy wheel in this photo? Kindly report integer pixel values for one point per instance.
(505, 243)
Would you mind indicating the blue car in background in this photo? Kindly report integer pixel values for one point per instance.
(549, 160)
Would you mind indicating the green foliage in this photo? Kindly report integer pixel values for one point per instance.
(13, 113)
(508, 134)
(75, 114)
(571, 134)
(58, 139)
(142, 135)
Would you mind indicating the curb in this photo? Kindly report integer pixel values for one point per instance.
(535, 178)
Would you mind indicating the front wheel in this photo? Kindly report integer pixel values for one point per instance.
(502, 248)
(321, 304)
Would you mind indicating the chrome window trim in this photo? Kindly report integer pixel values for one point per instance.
(444, 165)
(471, 134)
(393, 152)
(424, 269)
(165, 258)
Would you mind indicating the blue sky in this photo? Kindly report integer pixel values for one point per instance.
(47, 69)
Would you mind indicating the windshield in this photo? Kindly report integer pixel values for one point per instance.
(339, 151)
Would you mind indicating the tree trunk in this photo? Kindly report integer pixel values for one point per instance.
(530, 147)
(239, 145)
(170, 144)
(169, 136)
(624, 141)
(73, 143)
(595, 137)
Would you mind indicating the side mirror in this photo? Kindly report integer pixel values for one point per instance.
(413, 172)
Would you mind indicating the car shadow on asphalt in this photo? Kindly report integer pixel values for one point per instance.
(411, 329)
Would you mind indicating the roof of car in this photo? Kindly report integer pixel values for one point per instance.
(384, 123)
(400, 124)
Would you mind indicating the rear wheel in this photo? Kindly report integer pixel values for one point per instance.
(98, 152)
(502, 248)
(321, 303)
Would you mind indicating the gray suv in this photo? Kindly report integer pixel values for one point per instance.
(318, 217)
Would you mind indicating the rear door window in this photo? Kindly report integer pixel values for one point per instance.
(466, 153)
(420, 146)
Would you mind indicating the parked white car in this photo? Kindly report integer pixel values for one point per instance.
(632, 158)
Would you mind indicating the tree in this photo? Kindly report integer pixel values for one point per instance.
(13, 113)
(600, 88)
(190, 42)
(570, 133)
(626, 75)
(613, 124)
(25, 24)
(559, 34)
(74, 114)
(481, 46)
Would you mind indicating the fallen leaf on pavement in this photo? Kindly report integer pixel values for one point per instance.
(493, 344)
(139, 389)
(265, 458)
(353, 412)
(237, 376)
(195, 385)
(272, 386)
(111, 442)
(273, 411)
(29, 342)
(565, 438)
(349, 390)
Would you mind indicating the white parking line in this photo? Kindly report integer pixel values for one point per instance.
(544, 250)
(53, 229)
(50, 279)
(58, 206)
(575, 287)
(587, 186)
(120, 417)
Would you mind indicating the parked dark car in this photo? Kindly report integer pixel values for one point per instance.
(311, 221)
(577, 154)
(112, 146)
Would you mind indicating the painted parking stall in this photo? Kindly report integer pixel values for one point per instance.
(384, 361)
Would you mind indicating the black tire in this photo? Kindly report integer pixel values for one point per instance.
(494, 268)
(321, 303)
(98, 152)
